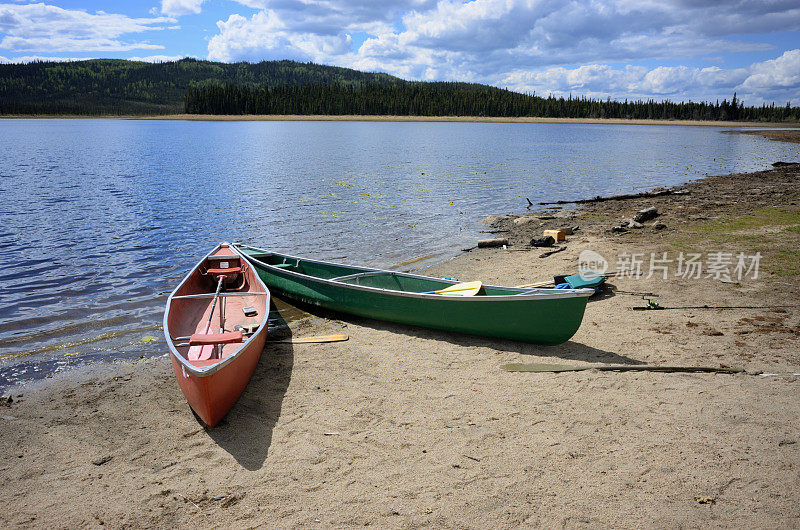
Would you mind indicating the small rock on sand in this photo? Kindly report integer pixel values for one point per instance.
(494, 220)
(630, 223)
(546, 241)
(525, 219)
(646, 214)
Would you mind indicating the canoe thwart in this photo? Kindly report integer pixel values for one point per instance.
(361, 275)
(211, 295)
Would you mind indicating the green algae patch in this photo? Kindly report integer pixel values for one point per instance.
(760, 218)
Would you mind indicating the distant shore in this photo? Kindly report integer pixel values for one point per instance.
(457, 119)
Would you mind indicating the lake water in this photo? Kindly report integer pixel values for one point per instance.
(102, 218)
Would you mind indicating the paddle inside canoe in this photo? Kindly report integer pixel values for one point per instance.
(460, 289)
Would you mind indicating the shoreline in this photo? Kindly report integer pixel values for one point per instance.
(791, 136)
(446, 119)
(404, 426)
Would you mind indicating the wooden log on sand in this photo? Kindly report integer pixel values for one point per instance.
(622, 197)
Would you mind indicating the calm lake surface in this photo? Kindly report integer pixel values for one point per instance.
(102, 218)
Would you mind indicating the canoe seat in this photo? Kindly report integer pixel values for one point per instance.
(230, 270)
(206, 339)
(283, 265)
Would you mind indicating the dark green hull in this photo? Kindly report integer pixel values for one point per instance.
(543, 316)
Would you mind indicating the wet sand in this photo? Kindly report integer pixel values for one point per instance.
(406, 427)
(792, 136)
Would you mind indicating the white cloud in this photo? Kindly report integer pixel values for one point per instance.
(158, 58)
(783, 72)
(42, 27)
(66, 44)
(32, 58)
(178, 8)
(265, 36)
(499, 34)
(772, 80)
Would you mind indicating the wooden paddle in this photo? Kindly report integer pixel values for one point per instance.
(545, 283)
(460, 289)
(204, 352)
(319, 338)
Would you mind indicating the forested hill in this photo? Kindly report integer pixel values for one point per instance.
(113, 86)
(119, 87)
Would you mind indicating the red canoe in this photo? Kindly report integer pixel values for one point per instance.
(216, 324)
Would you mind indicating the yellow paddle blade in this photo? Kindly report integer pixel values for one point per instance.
(462, 289)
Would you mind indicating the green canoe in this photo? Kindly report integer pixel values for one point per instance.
(543, 316)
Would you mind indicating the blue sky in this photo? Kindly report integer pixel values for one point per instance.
(664, 49)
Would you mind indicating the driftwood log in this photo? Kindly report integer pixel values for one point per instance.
(496, 242)
(551, 252)
(535, 367)
(623, 197)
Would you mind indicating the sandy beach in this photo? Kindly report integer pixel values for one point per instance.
(406, 427)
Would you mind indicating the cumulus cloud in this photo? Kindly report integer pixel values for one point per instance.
(341, 13)
(783, 72)
(178, 8)
(265, 36)
(557, 46)
(501, 34)
(42, 27)
(773, 80)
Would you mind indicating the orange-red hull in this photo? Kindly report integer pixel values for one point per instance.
(213, 385)
(211, 397)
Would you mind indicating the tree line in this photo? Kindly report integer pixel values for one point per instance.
(457, 99)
